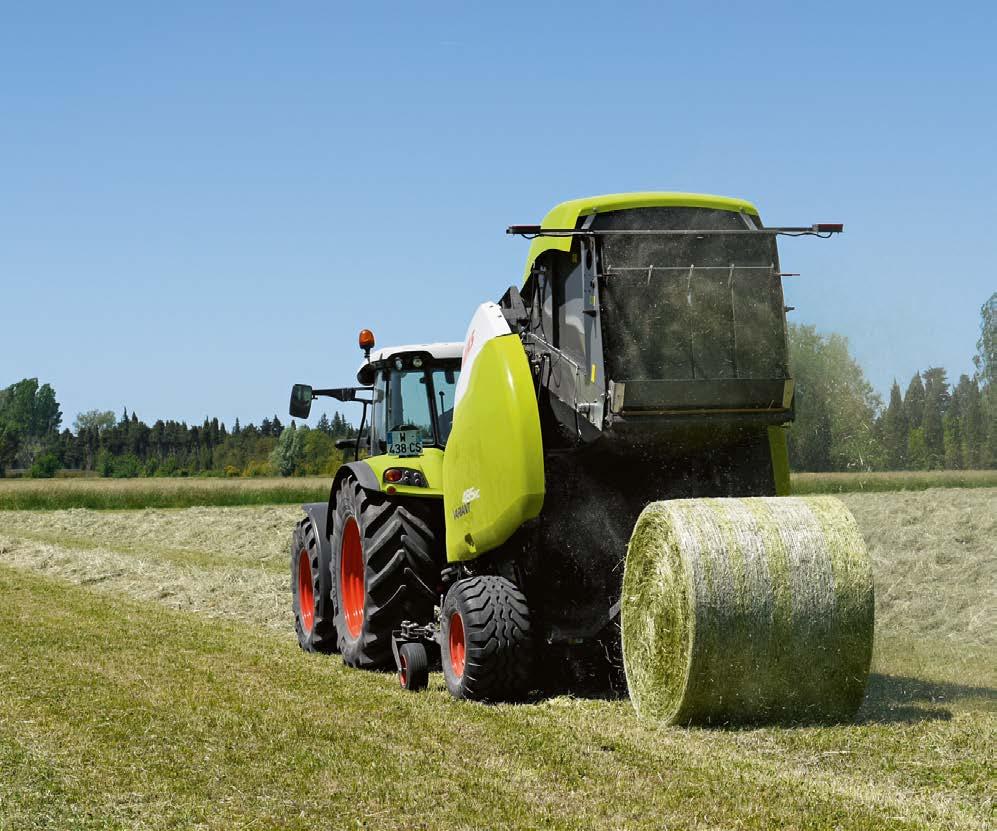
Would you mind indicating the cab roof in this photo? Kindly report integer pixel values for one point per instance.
(440, 351)
(567, 214)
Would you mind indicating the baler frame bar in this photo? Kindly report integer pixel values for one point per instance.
(820, 229)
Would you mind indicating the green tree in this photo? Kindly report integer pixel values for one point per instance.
(917, 450)
(835, 405)
(46, 415)
(319, 453)
(45, 466)
(31, 418)
(974, 431)
(895, 428)
(105, 463)
(936, 400)
(98, 420)
(914, 401)
(9, 443)
(986, 368)
(986, 346)
(953, 441)
(287, 453)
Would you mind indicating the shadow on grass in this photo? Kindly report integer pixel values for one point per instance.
(892, 699)
(889, 699)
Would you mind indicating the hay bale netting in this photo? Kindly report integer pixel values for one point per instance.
(739, 610)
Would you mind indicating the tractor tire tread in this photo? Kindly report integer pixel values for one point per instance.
(395, 541)
(497, 636)
(322, 638)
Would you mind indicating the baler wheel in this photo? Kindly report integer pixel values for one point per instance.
(311, 590)
(487, 644)
(384, 565)
(414, 674)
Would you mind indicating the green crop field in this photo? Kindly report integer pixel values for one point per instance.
(114, 494)
(149, 678)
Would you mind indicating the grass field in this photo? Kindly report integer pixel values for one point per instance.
(149, 678)
(113, 494)
(903, 480)
(116, 494)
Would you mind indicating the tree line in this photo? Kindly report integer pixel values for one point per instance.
(31, 440)
(841, 424)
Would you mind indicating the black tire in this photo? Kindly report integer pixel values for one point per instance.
(497, 654)
(314, 616)
(394, 579)
(414, 674)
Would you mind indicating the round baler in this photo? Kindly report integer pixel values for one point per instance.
(615, 481)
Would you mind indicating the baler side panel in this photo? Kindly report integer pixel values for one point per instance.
(493, 471)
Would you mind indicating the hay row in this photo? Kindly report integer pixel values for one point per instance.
(231, 590)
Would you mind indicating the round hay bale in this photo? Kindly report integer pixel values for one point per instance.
(740, 610)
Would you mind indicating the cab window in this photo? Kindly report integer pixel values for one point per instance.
(444, 385)
(377, 436)
(408, 404)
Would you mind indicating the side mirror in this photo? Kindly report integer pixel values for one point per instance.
(301, 400)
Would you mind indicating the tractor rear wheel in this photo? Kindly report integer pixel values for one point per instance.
(486, 640)
(386, 570)
(311, 590)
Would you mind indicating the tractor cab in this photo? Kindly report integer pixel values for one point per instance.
(408, 396)
(412, 397)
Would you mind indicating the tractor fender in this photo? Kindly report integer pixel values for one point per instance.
(363, 473)
(318, 513)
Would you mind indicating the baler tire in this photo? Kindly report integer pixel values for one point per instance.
(314, 610)
(390, 554)
(414, 674)
(486, 644)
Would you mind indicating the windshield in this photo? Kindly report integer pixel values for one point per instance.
(408, 404)
(422, 400)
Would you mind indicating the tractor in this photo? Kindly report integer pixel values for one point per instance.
(482, 525)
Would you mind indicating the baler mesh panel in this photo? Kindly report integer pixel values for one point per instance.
(692, 316)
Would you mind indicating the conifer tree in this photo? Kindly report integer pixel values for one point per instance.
(914, 402)
(895, 428)
(936, 399)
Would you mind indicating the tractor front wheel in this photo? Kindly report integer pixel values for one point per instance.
(486, 643)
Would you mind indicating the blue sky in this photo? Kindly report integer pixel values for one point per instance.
(202, 203)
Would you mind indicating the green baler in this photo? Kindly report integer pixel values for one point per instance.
(642, 358)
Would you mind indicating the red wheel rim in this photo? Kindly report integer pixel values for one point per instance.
(403, 673)
(457, 647)
(306, 592)
(352, 577)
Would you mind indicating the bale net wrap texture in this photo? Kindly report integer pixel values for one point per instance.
(740, 610)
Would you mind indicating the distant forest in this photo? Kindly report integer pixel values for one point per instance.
(30, 440)
(841, 424)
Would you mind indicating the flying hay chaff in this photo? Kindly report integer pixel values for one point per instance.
(741, 610)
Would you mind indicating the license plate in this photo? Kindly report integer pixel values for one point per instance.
(405, 442)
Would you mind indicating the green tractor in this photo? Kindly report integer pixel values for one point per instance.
(484, 522)
(370, 557)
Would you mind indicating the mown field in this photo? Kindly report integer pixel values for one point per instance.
(149, 678)
(116, 494)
